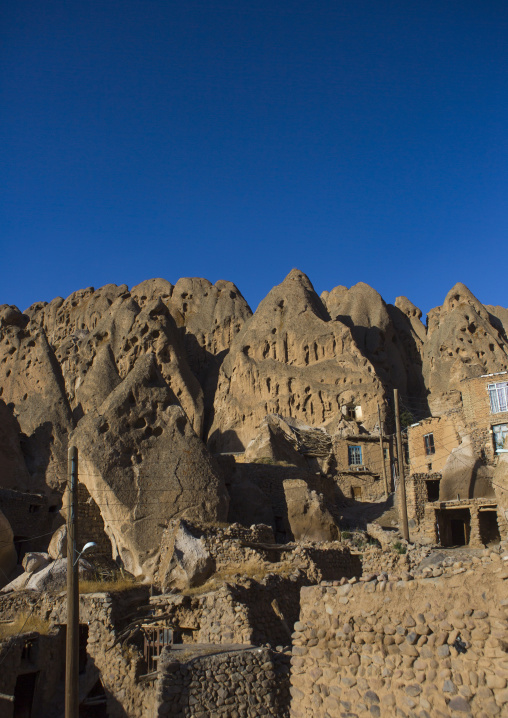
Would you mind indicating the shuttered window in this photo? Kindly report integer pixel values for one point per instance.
(429, 444)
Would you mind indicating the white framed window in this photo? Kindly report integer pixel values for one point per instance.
(498, 394)
(500, 432)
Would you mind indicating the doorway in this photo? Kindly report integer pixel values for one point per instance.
(489, 529)
(24, 695)
(454, 527)
(356, 493)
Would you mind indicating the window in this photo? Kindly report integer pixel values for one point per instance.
(351, 412)
(429, 444)
(354, 455)
(385, 453)
(500, 438)
(498, 394)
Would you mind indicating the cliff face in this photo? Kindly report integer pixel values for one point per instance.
(325, 361)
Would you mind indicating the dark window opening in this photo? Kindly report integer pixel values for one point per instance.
(406, 454)
(489, 529)
(432, 490)
(83, 641)
(429, 444)
(20, 544)
(33, 508)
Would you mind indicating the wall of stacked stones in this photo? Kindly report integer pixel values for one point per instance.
(248, 683)
(417, 495)
(427, 647)
(478, 416)
(29, 514)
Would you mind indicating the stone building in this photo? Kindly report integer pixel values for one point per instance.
(450, 493)
(360, 466)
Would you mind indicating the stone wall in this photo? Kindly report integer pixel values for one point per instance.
(436, 514)
(417, 495)
(209, 681)
(91, 523)
(361, 485)
(427, 647)
(31, 653)
(30, 515)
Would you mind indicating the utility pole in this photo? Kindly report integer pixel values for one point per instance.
(72, 648)
(382, 450)
(400, 462)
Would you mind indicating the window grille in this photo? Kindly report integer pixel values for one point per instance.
(429, 444)
(498, 394)
(354, 455)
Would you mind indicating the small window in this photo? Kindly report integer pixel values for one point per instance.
(354, 455)
(385, 453)
(498, 394)
(33, 508)
(429, 444)
(500, 438)
(351, 412)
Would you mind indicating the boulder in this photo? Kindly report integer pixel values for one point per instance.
(187, 562)
(34, 561)
(51, 578)
(308, 517)
(143, 465)
(58, 545)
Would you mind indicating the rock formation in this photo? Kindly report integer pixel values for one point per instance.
(291, 359)
(141, 378)
(462, 341)
(143, 465)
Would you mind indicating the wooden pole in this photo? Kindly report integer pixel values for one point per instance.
(72, 648)
(387, 491)
(400, 462)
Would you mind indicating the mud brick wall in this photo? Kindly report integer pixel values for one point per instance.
(478, 416)
(372, 486)
(241, 682)
(446, 438)
(427, 647)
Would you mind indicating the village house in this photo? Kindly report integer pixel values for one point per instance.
(449, 489)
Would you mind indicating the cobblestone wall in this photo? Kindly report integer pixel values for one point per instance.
(236, 683)
(427, 647)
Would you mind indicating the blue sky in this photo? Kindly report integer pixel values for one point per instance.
(359, 140)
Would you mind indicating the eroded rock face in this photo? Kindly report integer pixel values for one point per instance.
(31, 380)
(308, 517)
(291, 359)
(462, 342)
(143, 465)
(13, 471)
